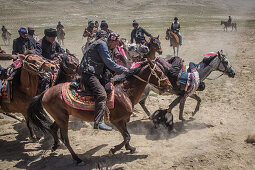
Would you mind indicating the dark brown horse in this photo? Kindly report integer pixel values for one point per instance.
(26, 81)
(127, 93)
(227, 24)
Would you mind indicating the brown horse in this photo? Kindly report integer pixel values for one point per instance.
(126, 92)
(26, 80)
(170, 35)
(61, 35)
(6, 36)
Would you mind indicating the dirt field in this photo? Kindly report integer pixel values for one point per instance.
(212, 139)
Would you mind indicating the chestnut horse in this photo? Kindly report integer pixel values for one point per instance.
(26, 81)
(170, 35)
(126, 92)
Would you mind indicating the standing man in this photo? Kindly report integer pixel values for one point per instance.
(31, 35)
(23, 43)
(138, 34)
(175, 27)
(48, 47)
(94, 63)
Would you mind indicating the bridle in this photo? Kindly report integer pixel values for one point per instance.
(153, 72)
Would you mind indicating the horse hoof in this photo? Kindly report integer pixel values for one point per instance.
(133, 150)
(55, 147)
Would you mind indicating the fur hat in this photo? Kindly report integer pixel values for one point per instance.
(50, 32)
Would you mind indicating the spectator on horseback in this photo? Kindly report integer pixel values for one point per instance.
(137, 34)
(94, 65)
(59, 26)
(90, 31)
(104, 26)
(229, 20)
(49, 49)
(23, 43)
(4, 30)
(175, 27)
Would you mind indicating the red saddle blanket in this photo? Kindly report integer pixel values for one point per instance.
(75, 100)
(6, 91)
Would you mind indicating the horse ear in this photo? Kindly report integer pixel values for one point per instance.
(158, 37)
(219, 54)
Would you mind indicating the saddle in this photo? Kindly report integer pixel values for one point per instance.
(76, 96)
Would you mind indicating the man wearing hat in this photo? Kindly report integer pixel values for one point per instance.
(94, 65)
(90, 31)
(49, 48)
(175, 27)
(59, 26)
(138, 34)
(23, 43)
(31, 34)
(104, 26)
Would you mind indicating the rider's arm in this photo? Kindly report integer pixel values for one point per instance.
(132, 36)
(146, 33)
(172, 27)
(106, 57)
(15, 47)
(59, 49)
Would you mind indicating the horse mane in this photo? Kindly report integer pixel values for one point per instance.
(208, 60)
(130, 74)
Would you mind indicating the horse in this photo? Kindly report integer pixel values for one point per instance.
(26, 80)
(6, 36)
(126, 94)
(61, 35)
(217, 62)
(170, 35)
(227, 24)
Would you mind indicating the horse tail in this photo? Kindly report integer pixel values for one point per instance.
(36, 114)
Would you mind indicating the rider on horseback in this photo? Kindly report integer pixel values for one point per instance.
(48, 47)
(104, 26)
(229, 20)
(90, 31)
(59, 26)
(23, 43)
(175, 27)
(93, 65)
(138, 34)
(4, 30)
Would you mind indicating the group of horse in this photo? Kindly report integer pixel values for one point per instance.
(131, 89)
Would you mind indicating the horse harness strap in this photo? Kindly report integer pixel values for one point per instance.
(152, 73)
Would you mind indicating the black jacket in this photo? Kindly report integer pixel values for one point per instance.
(48, 50)
(138, 35)
(21, 44)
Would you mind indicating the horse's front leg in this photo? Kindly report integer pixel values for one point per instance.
(174, 103)
(121, 126)
(181, 106)
(198, 99)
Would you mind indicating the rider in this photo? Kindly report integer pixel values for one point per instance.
(48, 47)
(31, 35)
(4, 30)
(175, 27)
(59, 26)
(94, 64)
(23, 43)
(90, 31)
(138, 34)
(229, 20)
(104, 26)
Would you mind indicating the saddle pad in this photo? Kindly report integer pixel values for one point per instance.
(73, 99)
(6, 91)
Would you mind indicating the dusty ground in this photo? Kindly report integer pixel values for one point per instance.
(213, 139)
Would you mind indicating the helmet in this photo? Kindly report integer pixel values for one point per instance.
(113, 36)
(175, 18)
(22, 30)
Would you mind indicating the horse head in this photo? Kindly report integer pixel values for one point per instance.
(155, 45)
(224, 65)
(167, 34)
(69, 63)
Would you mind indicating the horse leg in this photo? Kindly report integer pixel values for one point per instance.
(142, 103)
(177, 50)
(174, 103)
(65, 140)
(121, 126)
(31, 131)
(53, 131)
(128, 138)
(144, 97)
(198, 99)
(174, 50)
(181, 107)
